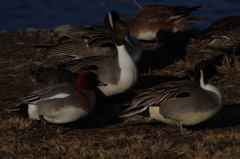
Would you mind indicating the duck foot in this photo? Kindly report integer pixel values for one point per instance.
(185, 131)
(43, 126)
(58, 131)
(190, 132)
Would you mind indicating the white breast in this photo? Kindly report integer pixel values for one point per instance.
(128, 74)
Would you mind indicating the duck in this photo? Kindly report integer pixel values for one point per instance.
(159, 22)
(119, 72)
(60, 103)
(223, 34)
(180, 103)
(93, 40)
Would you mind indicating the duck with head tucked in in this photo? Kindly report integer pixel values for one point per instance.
(60, 103)
(84, 41)
(180, 103)
(223, 34)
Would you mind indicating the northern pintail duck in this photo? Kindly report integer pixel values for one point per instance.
(158, 22)
(223, 34)
(83, 41)
(118, 71)
(179, 103)
(60, 103)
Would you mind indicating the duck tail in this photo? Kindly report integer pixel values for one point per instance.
(137, 4)
(131, 112)
(192, 19)
(20, 109)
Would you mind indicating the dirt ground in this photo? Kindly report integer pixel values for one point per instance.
(108, 137)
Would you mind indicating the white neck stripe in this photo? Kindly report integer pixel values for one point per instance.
(209, 87)
(202, 84)
(110, 19)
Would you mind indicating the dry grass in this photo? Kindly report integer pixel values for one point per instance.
(135, 137)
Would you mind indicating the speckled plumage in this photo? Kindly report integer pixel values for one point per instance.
(223, 34)
(84, 41)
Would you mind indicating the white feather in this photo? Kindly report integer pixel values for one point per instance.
(210, 87)
(128, 74)
(60, 95)
(32, 112)
(110, 19)
(148, 35)
(66, 115)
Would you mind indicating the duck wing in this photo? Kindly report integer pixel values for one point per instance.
(156, 96)
(54, 91)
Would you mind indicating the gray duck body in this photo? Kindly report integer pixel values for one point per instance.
(179, 103)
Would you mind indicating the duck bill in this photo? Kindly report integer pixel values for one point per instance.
(102, 84)
(128, 40)
(218, 73)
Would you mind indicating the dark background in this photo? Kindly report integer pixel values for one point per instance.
(47, 14)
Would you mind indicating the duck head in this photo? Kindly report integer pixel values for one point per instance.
(88, 80)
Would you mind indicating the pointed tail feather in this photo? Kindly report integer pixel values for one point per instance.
(20, 109)
(132, 112)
